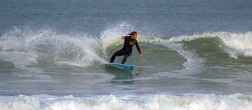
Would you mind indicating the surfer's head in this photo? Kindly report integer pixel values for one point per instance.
(133, 35)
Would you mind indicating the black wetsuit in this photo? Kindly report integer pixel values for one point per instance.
(126, 50)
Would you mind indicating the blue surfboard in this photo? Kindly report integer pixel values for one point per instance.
(126, 67)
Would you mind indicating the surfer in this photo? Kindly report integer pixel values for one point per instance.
(129, 41)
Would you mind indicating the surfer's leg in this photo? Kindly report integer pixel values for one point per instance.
(126, 54)
(124, 59)
(112, 59)
(118, 53)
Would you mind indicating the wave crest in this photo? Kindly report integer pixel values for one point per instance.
(46, 46)
(235, 44)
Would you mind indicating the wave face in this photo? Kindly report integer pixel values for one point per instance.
(219, 48)
(148, 102)
(219, 45)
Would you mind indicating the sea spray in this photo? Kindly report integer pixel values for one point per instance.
(47, 46)
(238, 44)
(113, 35)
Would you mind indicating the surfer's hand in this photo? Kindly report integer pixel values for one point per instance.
(141, 54)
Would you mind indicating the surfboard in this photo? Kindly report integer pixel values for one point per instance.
(127, 67)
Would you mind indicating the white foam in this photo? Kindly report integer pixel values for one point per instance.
(193, 64)
(195, 36)
(238, 44)
(46, 46)
(140, 102)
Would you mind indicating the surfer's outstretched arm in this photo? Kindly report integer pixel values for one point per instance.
(139, 49)
(124, 37)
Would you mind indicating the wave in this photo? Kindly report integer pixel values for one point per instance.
(214, 48)
(234, 44)
(129, 102)
(24, 47)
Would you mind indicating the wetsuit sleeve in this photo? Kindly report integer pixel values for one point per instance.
(126, 37)
(138, 48)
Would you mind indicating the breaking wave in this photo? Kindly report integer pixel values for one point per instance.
(24, 47)
(129, 102)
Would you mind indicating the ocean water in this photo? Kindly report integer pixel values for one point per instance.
(197, 55)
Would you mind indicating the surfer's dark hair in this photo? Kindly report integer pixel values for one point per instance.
(133, 32)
